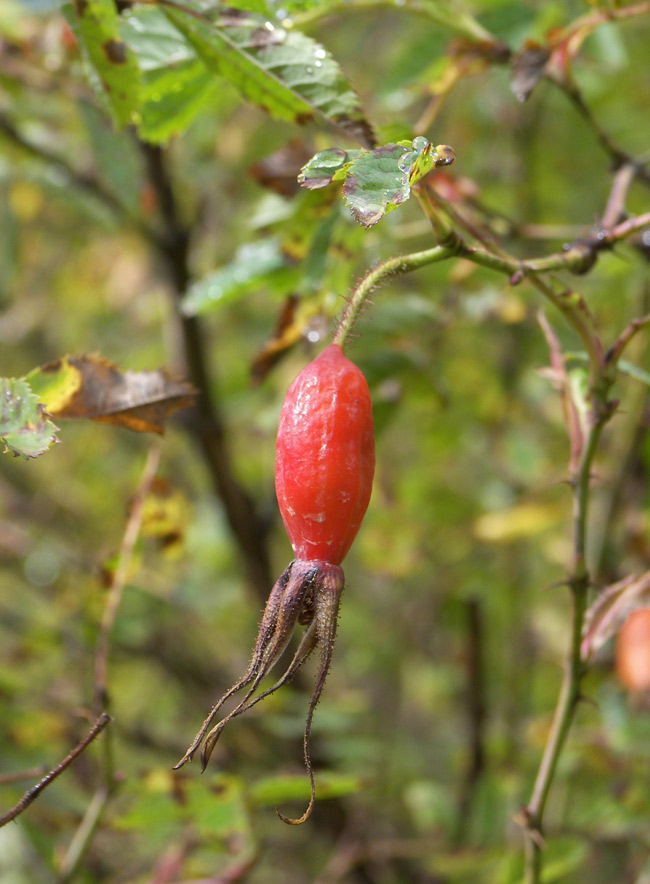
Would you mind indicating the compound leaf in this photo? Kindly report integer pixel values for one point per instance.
(376, 181)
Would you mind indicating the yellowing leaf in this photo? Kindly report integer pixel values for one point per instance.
(91, 387)
(516, 523)
(165, 513)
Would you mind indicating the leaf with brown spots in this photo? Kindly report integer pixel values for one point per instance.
(284, 72)
(376, 181)
(91, 387)
(114, 69)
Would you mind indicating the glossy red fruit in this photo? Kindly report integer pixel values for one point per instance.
(633, 651)
(325, 457)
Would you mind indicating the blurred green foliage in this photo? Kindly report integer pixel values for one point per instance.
(452, 592)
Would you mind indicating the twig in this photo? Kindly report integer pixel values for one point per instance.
(616, 350)
(204, 422)
(618, 156)
(617, 196)
(120, 574)
(476, 712)
(36, 790)
(83, 836)
(22, 775)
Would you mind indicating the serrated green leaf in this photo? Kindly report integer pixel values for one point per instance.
(24, 428)
(376, 181)
(96, 24)
(251, 264)
(285, 72)
(176, 85)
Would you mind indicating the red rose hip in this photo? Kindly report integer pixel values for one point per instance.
(325, 457)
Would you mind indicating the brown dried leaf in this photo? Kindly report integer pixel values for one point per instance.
(607, 614)
(528, 68)
(279, 171)
(286, 333)
(92, 387)
(557, 374)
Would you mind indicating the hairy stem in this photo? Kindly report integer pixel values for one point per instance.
(391, 267)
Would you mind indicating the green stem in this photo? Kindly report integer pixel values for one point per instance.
(399, 264)
(574, 671)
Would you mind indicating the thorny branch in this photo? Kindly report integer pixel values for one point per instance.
(36, 790)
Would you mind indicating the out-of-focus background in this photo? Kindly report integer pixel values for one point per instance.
(454, 624)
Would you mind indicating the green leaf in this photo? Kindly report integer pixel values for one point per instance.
(251, 264)
(629, 368)
(272, 790)
(327, 166)
(116, 158)
(24, 428)
(96, 24)
(376, 181)
(218, 808)
(286, 73)
(634, 371)
(176, 85)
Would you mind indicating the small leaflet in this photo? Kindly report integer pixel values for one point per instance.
(376, 181)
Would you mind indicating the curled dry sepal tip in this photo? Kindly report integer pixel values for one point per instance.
(325, 461)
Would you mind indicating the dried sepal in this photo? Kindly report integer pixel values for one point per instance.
(307, 593)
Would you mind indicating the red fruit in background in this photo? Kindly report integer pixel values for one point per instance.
(633, 651)
(325, 457)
